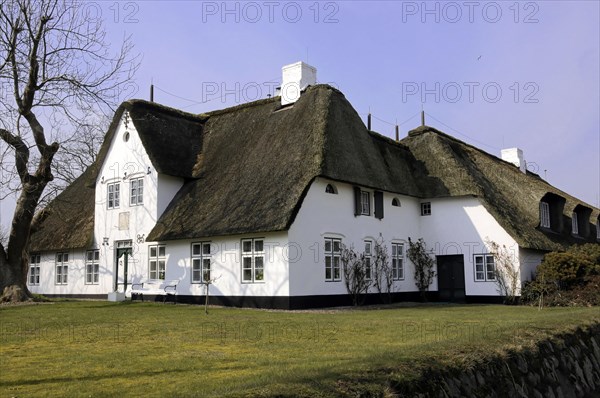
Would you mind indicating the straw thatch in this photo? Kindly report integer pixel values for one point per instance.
(510, 195)
(247, 168)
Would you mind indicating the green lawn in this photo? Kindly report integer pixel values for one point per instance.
(133, 349)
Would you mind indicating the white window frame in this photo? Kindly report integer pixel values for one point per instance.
(253, 260)
(544, 215)
(426, 208)
(365, 203)
(489, 273)
(368, 259)
(136, 191)
(113, 195)
(92, 267)
(157, 262)
(201, 262)
(61, 268)
(34, 269)
(333, 259)
(574, 224)
(397, 261)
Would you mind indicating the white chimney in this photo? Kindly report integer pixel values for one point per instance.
(295, 78)
(514, 156)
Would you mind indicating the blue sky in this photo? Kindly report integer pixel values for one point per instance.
(494, 74)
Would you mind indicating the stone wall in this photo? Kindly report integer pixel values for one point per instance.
(567, 365)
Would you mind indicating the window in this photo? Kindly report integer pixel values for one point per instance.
(368, 258)
(397, 261)
(544, 215)
(92, 267)
(598, 229)
(114, 193)
(485, 269)
(330, 189)
(396, 202)
(253, 260)
(426, 209)
(34, 269)
(137, 191)
(201, 260)
(365, 201)
(333, 252)
(157, 258)
(574, 226)
(62, 268)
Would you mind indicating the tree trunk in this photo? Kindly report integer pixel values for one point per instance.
(14, 262)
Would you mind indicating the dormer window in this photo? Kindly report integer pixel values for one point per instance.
(330, 188)
(544, 215)
(580, 221)
(598, 228)
(551, 212)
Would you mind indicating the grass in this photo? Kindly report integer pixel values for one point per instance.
(133, 349)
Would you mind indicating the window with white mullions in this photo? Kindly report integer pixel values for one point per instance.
(253, 260)
(333, 252)
(365, 200)
(114, 195)
(397, 261)
(136, 191)
(485, 268)
(157, 258)
(34, 269)
(426, 208)
(544, 215)
(62, 268)
(201, 262)
(574, 224)
(92, 267)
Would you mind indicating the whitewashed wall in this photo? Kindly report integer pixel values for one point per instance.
(327, 215)
(461, 225)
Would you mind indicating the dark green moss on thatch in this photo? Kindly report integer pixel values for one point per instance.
(511, 196)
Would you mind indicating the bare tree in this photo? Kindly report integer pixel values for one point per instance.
(507, 275)
(383, 274)
(424, 263)
(55, 69)
(354, 266)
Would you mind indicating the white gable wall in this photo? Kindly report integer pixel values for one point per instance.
(460, 225)
(332, 215)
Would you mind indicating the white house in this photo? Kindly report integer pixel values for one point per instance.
(260, 197)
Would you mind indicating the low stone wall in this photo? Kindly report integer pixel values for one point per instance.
(565, 366)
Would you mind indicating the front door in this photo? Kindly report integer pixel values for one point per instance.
(122, 259)
(451, 277)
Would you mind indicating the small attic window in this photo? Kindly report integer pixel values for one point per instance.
(330, 188)
(598, 228)
(396, 202)
(126, 136)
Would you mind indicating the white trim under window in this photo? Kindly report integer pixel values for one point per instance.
(92, 267)
(397, 261)
(157, 260)
(34, 269)
(201, 262)
(136, 192)
(574, 224)
(62, 268)
(426, 208)
(113, 195)
(365, 203)
(253, 260)
(333, 254)
(485, 268)
(544, 215)
(368, 259)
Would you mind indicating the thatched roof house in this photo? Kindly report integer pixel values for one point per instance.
(247, 169)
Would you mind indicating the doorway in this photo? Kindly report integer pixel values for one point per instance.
(451, 278)
(122, 259)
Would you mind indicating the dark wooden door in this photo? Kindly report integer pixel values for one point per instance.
(451, 277)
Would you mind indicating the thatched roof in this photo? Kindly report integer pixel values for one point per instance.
(247, 169)
(259, 159)
(510, 195)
